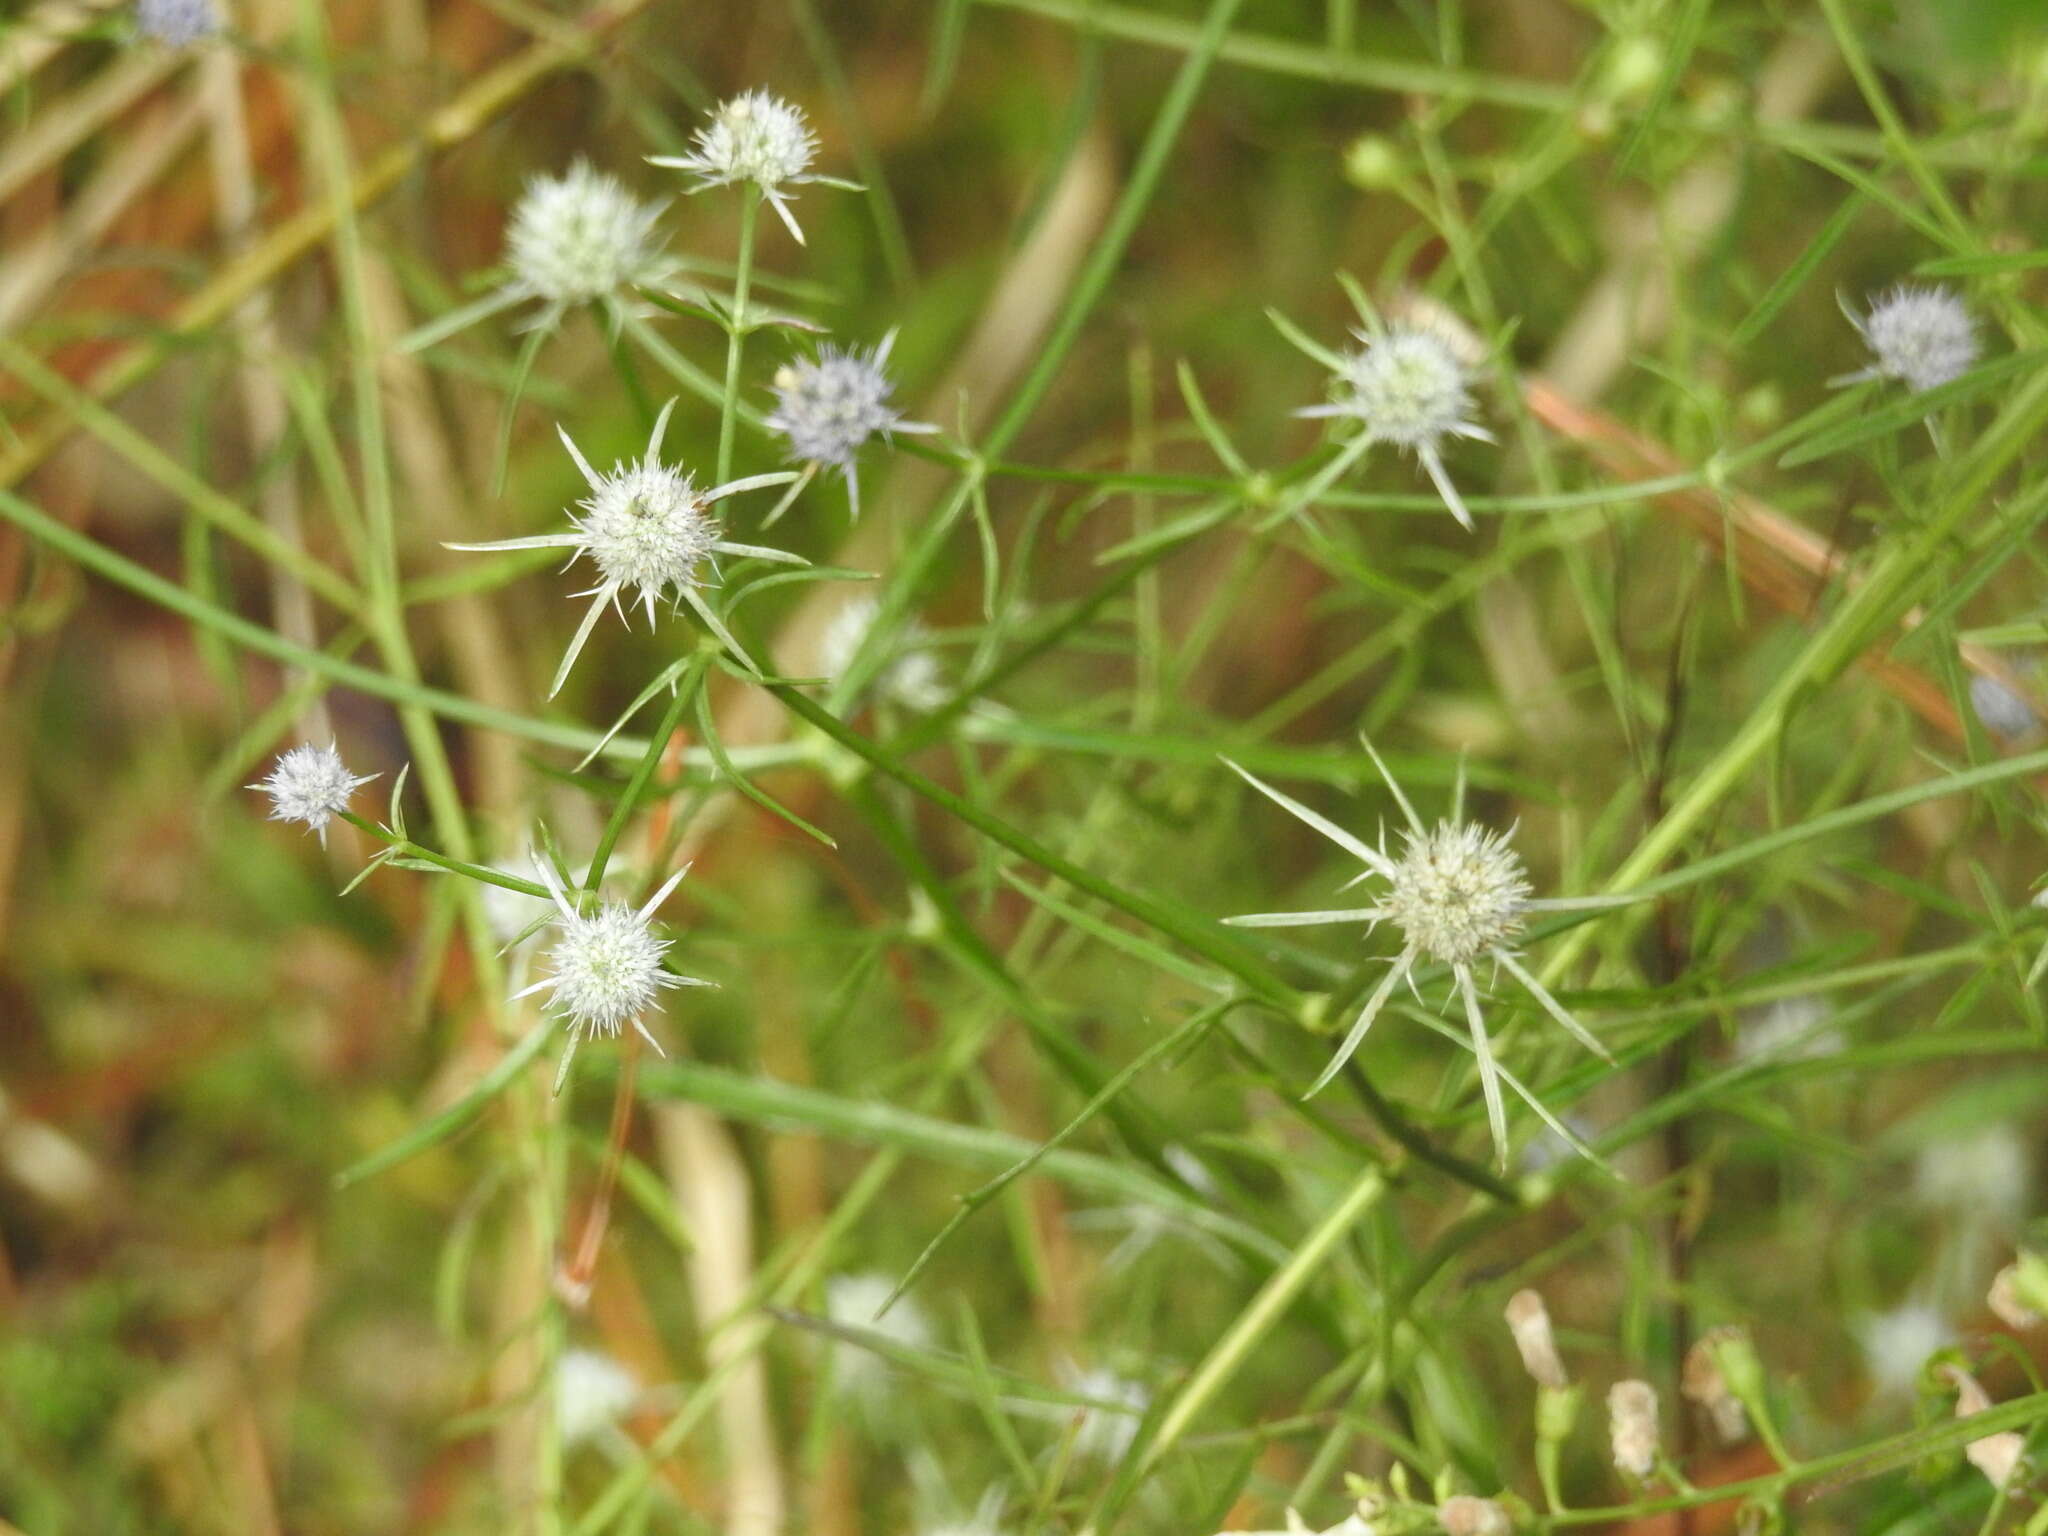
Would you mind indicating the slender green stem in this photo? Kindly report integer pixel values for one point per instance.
(643, 772)
(738, 324)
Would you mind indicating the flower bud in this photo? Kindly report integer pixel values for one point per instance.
(1996, 1456)
(1464, 1515)
(2004, 1299)
(1704, 1380)
(1632, 1426)
(1529, 1321)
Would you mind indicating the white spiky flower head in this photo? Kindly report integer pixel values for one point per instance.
(1407, 386)
(1897, 1343)
(1922, 335)
(650, 532)
(856, 1301)
(605, 966)
(581, 237)
(310, 785)
(911, 679)
(1985, 1173)
(1110, 1423)
(758, 137)
(592, 1393)
(1458, 894)
(177, 23)
(830, 405)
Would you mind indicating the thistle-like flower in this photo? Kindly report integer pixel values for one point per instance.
(1922, 336)
(828, 407)
(573, 239)
(605, 969)
(1896, 1344)
(1111, 1424)
(177, 23)
(581, 237)
(758, 137)
(911, 679)
(856, 1301)
(649, 530)
(310, 785)
(1458, 894)
(592, 1393)
(1407, 386)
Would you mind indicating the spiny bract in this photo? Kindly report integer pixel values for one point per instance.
(310, 785)
(581, 236)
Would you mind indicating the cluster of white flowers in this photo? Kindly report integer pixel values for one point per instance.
(1921, 336)
(829, 406)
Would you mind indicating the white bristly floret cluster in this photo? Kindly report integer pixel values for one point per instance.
(1896, 1344)
(177, 23)
(1458, 894)
(310, 785)
(1408, 387)
(592, 1393)
(1923, 336)
(649, 531)
(755, 137)
(605, 966)
(830, 405)
(580, 237)
(856, 1301)
(912, 679)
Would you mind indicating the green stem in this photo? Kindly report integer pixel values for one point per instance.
(643, 774)
(736, 327)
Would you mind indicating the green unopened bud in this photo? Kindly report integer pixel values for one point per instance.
(2030, 1282)
(1372, 163)
(1632, 69)
(1557, 1410)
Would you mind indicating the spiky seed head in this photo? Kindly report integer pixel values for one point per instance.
(177, 23)
(1921, 334)
(310, 785)
(1632, 1427)
(1407, 387)
(646, 527)
(757, 137)
(1458, 892)
(606, 968)
(592, 1393)
(581, 236)
(831, 404)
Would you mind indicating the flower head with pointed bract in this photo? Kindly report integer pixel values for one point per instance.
(1458, 894)
(649, 531)
(1921, 335)
(605, 965)
(310, 785)
(755, 136)
(1407, 386)
(830, 405)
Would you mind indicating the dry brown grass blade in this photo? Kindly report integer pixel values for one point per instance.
(304, 232)
(1786, 564)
